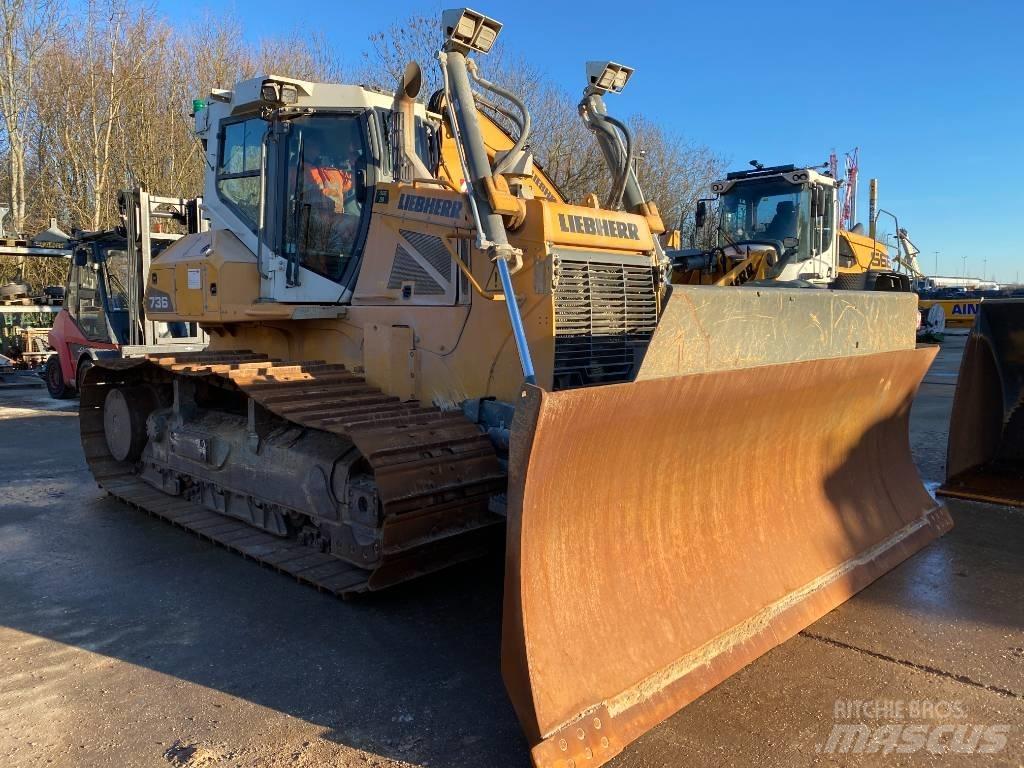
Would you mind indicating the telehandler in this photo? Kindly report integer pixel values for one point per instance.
(417, 343)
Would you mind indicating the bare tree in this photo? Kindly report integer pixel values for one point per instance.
(673, 171)
(108, 106)
(27, 28)
(92, 97)
(412, 39)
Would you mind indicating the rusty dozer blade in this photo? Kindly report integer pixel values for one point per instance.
(985, 454)
(664, 533)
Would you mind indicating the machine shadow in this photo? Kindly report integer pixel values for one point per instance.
(879, 478)
(410, 674)
(941, 582)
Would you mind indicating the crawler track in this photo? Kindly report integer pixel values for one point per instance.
(434, 470)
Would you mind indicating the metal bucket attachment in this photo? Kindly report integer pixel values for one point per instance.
(664, 533)
(985, 456)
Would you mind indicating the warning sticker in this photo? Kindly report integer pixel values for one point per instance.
(493, 283)
(195, 280)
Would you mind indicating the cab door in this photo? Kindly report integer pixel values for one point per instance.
(88, 309)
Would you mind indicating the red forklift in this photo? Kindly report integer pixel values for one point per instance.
(103, 312)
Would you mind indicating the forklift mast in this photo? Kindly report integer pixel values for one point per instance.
(145, 216)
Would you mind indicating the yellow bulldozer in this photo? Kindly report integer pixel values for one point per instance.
(418, 347)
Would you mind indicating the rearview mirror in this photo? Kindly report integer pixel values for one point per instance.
(700, 214)
(817, 201)
(81, 257)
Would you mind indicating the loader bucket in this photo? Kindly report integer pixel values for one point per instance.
(985, 454)
(664, 533)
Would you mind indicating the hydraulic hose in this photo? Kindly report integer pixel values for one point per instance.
(619, 188)
(619, 158)
(525, 125)
(508, 114)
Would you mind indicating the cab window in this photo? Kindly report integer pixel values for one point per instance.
(827, 220)
(238, 170)
(426, 142)
(768, 210)
(89, 305)
(427, 146)
(326, 176)
(71, 291)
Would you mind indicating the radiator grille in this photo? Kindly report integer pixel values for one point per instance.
(604, 317)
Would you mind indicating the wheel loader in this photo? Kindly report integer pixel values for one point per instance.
(779, 223)
(777, 226)
(417, 345)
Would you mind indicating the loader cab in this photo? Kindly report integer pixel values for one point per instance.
(291, 172)
(792, 210)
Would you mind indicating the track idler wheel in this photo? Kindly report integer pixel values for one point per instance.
(125, 410)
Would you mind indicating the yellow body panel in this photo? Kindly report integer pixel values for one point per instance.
(495, 139)
(868, 254)
(960, 313)
(436, 349)
(208, 277)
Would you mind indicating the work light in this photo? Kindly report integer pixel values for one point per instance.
(467, 30)
(607, 76)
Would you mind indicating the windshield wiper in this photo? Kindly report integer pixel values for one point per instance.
(732, 243)
(298, 204)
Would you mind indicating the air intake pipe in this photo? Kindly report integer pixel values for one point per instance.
(617, 151)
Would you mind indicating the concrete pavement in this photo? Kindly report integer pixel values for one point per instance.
(127, 642)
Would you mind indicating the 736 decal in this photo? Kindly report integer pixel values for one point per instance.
(158, 301)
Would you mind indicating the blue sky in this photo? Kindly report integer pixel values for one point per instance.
(931, 92)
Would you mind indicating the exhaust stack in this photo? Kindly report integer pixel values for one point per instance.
(409, 164)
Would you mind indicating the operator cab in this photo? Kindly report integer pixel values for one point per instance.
(95, 295)
(294, 166)
(790, 209)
